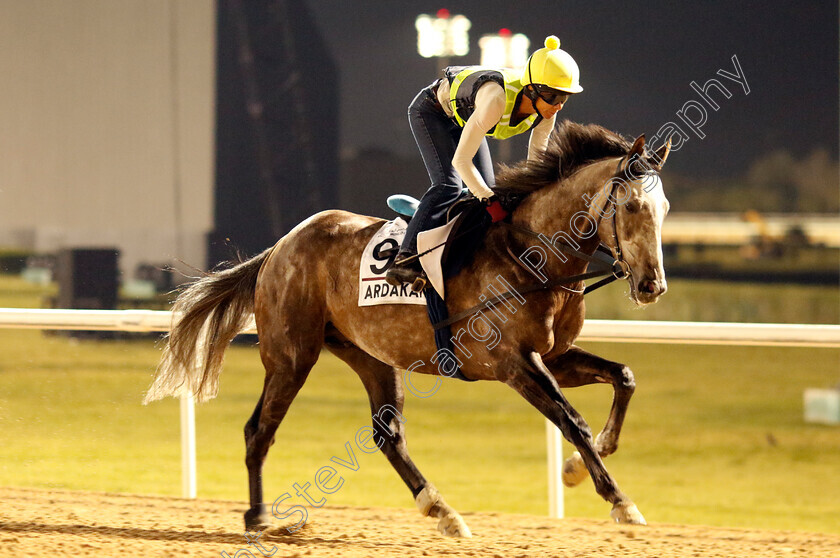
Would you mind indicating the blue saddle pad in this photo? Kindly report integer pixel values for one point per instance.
(403, 205)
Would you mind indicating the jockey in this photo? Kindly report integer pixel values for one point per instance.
(450, 120)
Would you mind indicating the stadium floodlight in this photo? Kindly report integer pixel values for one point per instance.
(504, 49)
(442, 35)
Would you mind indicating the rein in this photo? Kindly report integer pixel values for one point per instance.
(602, 255)
(611, 267)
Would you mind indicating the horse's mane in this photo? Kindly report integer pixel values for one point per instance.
(570, 147)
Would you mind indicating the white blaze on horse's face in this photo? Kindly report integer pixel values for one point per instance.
(639, 229)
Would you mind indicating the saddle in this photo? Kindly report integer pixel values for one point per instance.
(444, 251)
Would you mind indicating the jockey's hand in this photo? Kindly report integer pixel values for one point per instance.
(495, 209)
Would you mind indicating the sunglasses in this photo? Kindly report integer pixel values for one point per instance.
(550, 95)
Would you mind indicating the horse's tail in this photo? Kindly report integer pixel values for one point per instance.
(206, 318)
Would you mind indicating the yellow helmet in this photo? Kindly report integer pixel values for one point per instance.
(553, 67)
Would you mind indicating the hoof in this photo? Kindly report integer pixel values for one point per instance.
(431, 503)
(258, 519)
(574, 471)
(627, 513)
(453, 525)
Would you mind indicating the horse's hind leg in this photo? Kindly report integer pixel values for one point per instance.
(576, 368)
(287, 368)
(384, 386)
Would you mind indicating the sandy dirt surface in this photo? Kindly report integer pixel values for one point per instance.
(67, 523)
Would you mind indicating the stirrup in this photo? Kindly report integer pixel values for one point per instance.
(399, 274)
(419, 284)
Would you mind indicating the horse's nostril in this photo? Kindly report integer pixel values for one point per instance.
(647, 287)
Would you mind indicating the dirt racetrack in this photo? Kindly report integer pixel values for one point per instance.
(67, 523)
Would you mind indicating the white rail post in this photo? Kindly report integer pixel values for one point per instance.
(188, 481)
(554, 447)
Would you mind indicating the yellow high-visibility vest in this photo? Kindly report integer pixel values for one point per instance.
(464, 82)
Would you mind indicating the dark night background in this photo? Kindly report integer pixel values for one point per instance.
(636, 58)
(356, 66)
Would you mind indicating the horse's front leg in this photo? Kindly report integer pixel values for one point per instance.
(528, 375)
(577, 367)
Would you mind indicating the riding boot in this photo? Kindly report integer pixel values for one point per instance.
(406, 269)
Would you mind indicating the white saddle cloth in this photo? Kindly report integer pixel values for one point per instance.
(373, 289)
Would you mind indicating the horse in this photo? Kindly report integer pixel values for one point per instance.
(591, 186)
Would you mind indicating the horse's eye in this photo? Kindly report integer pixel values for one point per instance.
(632, 207)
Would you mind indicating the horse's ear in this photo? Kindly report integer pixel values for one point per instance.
(638, 147)
(660, 155)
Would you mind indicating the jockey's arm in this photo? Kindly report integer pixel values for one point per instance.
(489, 109)
(539, 137)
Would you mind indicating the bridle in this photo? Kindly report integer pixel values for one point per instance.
(621, 269)
(609, 263)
